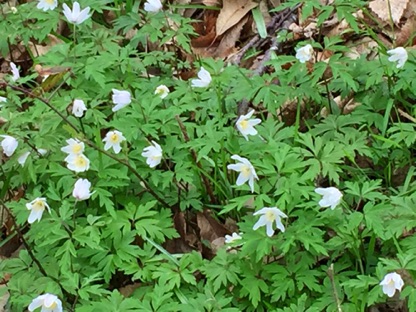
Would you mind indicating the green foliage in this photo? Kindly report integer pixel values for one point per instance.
(87, 251)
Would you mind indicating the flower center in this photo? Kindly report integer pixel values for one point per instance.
(38, 205)
(270, 216)
(114, 138)
(52, 306)
(245, 170)
(50, 2)
(244, 124)
(76, 148)
(80, 162)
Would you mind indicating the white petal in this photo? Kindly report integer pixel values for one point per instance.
(241, 180)
(261, 222)
(117, 148)
(22, 158)
(280, 225)
(269, 229)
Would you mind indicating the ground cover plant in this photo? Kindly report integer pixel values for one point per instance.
(150, 165)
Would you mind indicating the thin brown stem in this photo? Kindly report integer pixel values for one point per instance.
(198, 164)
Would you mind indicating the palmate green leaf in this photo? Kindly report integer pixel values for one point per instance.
(280, 291)
(221, 271)
(113, 303)
(253, 287)
(167, 275)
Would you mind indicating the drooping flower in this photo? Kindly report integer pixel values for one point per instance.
(3, 99)
(113, 140)
(78, 108)
(121, 98)
(48, 303)
(47, 4)
(153, 153)
(22, 158)
(42, 151)
(268, 216)
(398, 55)
(230, 239)
(9, 145)
(153, 6)
(246, 169)
(246, 125)
(304, 54)
(37, 207)
(74, 147)
(204, 79)
(82, 189)
(13, 9)
(391, 282)
(331, 197)
(76, 16)
(162, 91)
(77, 163)
(15, 71)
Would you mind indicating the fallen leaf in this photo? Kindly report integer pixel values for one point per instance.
(209, 228)
(227, 44)
(382, 10)
(231, 13)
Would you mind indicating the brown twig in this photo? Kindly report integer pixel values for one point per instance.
(198, 164)
(256, 42)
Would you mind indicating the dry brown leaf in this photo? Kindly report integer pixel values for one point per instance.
(4, 298)
(382, 10)
(38, 50)
(361, 46)
(211, 2)
(227, 44)
(209, 228)
(232, 12)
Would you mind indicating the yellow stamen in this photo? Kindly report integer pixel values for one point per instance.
(270, 216)
(244, 124)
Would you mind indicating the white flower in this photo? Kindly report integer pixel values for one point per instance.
(153, 154)
(82, 189)
(37, 207)
(15, 71)
(121, 98)
(78, 108)
(230, 239)
(76, 16)
(331, 197)
(13, 9)
(22, 158)
(48, 303)
(42, 151)
(9, 145)
(153, 6)
(47, 4)
(113, 140)
(162, 91)
(268, 216)
(398, 55)
(3, 99)
(304, 54)
(246, 126)
(74, 147)
(391, 282)
(77, 163)
(204, 79)
(246, 169)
